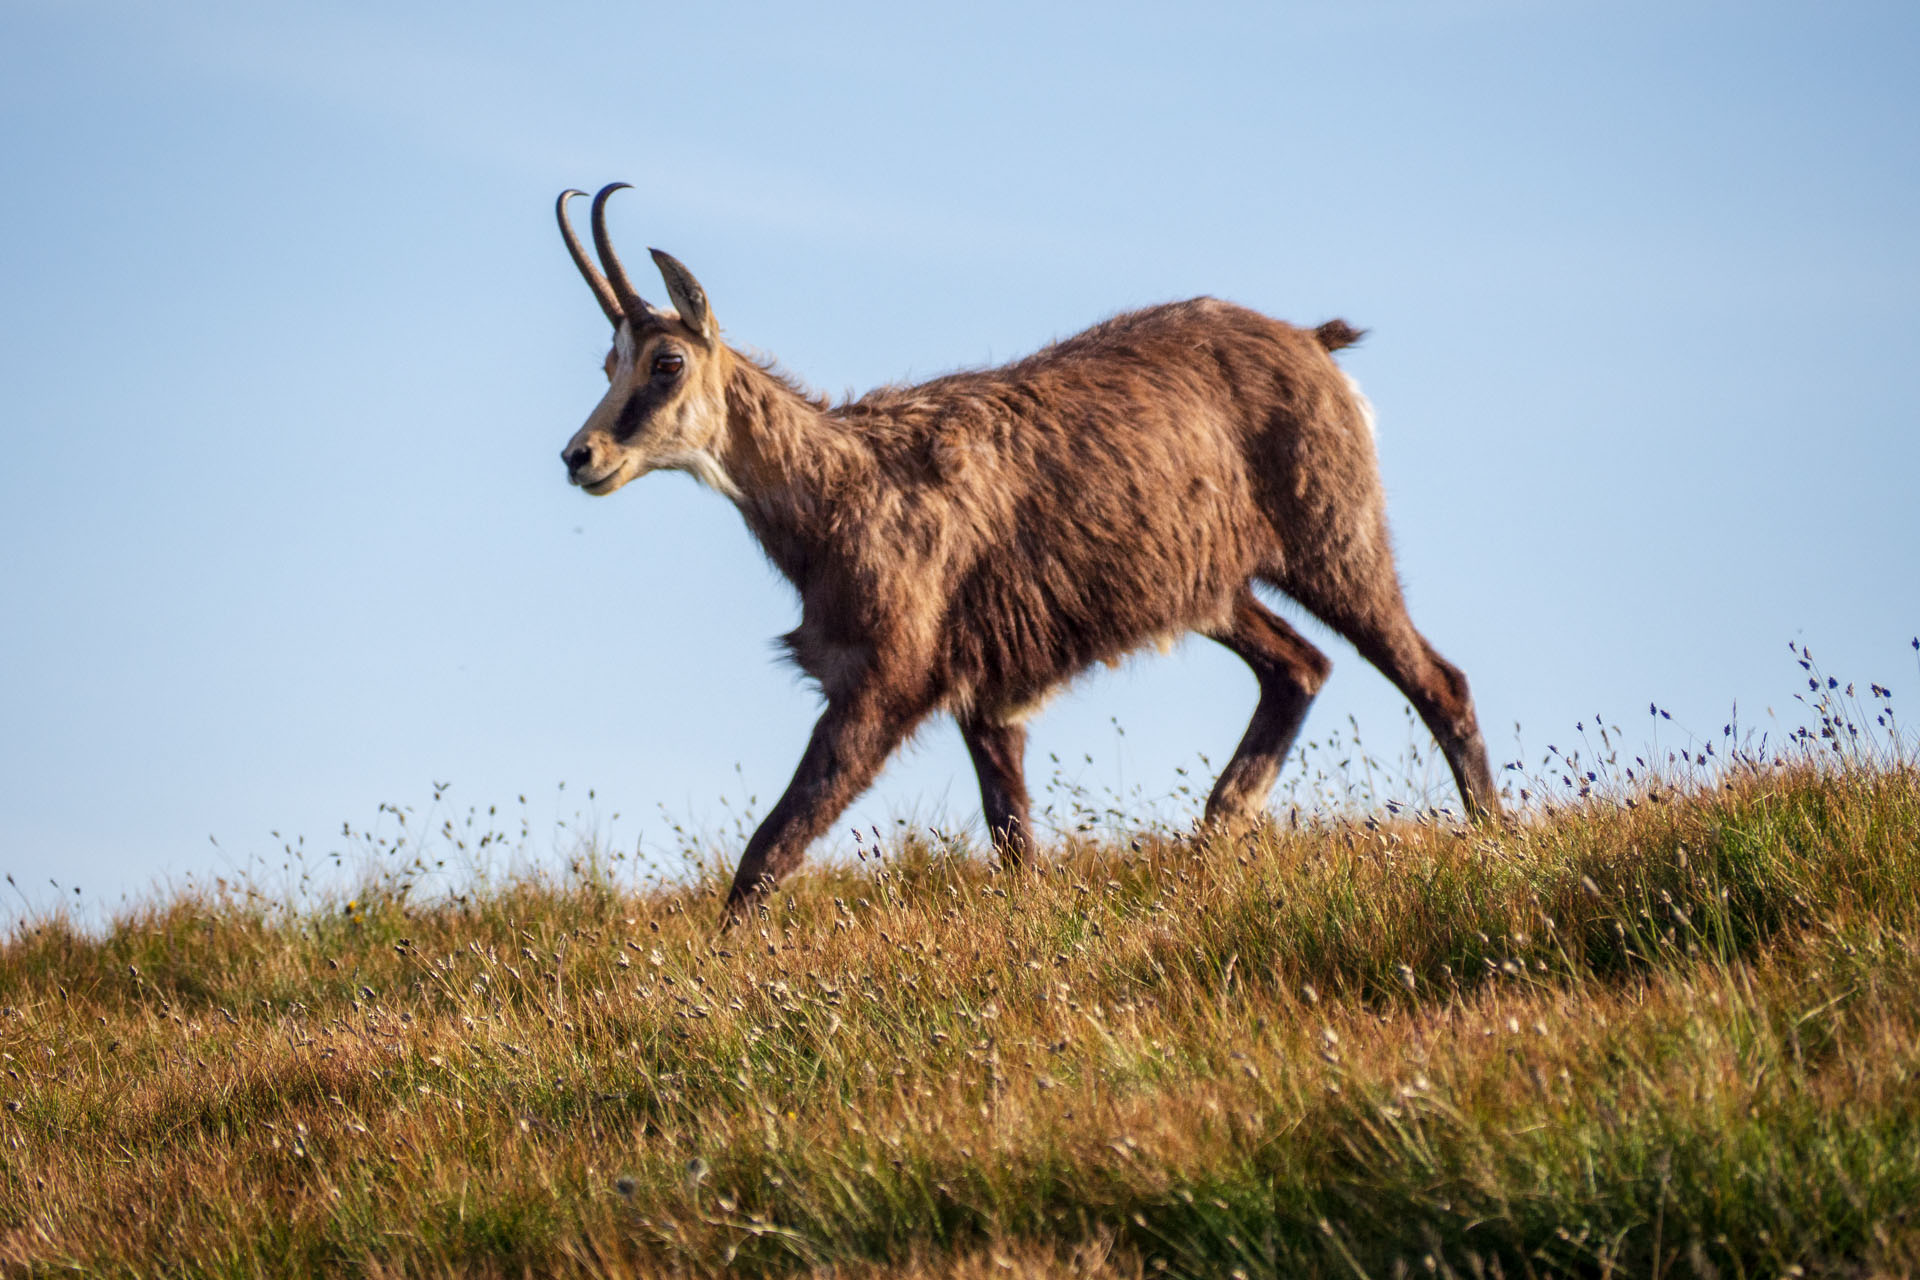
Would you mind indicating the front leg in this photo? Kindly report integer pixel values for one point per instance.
(849, 745)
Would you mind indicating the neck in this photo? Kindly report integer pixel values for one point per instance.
(787, 459)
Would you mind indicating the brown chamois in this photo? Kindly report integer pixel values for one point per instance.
(971, 544)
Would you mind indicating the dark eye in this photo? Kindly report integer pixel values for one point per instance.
(667, 366)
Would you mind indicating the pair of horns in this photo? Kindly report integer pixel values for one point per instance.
(614, 290)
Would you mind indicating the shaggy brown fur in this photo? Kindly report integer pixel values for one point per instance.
(970, 544)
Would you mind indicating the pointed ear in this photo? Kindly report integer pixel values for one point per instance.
(689, 299)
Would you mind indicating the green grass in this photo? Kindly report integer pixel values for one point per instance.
(1673, 1037)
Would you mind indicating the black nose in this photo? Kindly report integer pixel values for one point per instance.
(577, 458)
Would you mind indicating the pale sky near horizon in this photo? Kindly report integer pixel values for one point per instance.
(288, 348)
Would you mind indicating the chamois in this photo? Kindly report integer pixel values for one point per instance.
(972, 543)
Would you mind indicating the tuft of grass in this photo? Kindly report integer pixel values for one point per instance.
(1659, 1028)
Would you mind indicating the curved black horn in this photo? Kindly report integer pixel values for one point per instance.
(602, 291)
(632, 304)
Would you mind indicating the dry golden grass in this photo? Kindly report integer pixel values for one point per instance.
(1676, 1037)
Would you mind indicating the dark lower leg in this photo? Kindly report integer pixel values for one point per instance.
(1290, 671)
(998, 751)
(1451, 719)
(1438, 691)
(849, 745)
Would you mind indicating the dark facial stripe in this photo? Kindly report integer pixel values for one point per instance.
(639, 410)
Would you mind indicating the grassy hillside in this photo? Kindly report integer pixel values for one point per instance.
(1671, 1032)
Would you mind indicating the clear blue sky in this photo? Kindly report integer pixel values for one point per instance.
(288, 346)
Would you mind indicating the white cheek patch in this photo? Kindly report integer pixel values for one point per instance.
(704, 467)
(699, 463)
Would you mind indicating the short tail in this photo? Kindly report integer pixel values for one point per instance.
(1335, 334)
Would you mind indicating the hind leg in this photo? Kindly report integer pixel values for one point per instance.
(998, 751)
(1438, 691)
(1290, 671)
(1373, 617)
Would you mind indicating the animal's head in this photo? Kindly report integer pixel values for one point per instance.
(665, 406)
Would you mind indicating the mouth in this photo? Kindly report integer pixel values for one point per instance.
(600, 486)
